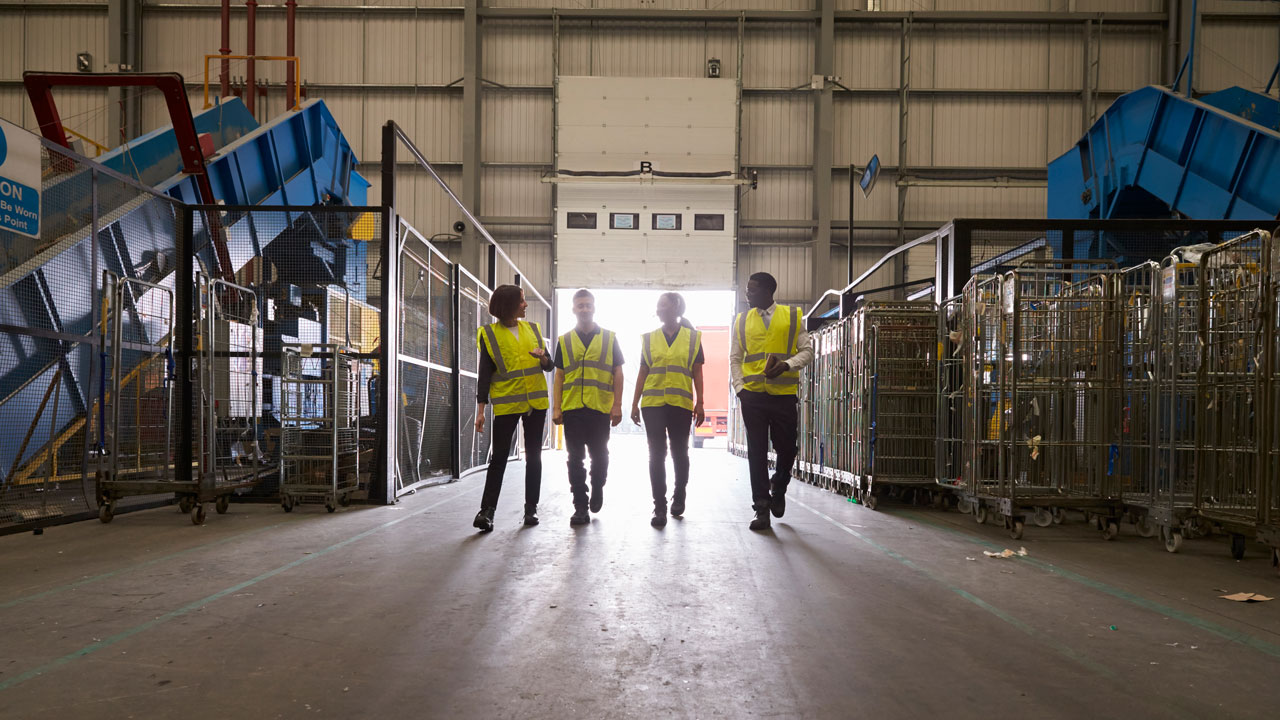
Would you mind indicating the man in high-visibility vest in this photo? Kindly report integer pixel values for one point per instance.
(769, 348)
(587, 400)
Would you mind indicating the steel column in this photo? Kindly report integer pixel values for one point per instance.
(291, 19)
(224, 72)
(382, 485)
(904, 98)
(251, 78)
(823, 121)
(471, 257)
(124, 120)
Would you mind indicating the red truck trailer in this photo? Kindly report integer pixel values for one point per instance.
(715, 384)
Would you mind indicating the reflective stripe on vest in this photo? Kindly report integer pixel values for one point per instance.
(519, 384)
(759, 341)
(670, 379)
(588, 372)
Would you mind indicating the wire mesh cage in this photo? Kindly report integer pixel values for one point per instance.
(230, 382)
(824, 443)
(138, 428)
(1269, 530)
(319, 425)
(1164, 502)
(1138, 296)
(952, 344)
(985, 406)
(1229, 492)
(894, 398)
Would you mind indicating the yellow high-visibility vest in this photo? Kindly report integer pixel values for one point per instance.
(588, 372)
(780, 339)
(519, 383)
(670, 380)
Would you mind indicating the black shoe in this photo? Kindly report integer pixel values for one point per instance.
(597, 498)
(778, 504)
(530, 515)
(659, 519)
(484, 520)
(677, 507)
(580, 517)
(762, 520)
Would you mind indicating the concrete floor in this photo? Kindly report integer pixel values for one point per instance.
(839, 612)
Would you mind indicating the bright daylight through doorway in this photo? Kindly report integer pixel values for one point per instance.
(631, 313)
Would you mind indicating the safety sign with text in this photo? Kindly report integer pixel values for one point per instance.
(19, 180)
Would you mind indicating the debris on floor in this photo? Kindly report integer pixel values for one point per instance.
(1245, 597)
(1006, 553)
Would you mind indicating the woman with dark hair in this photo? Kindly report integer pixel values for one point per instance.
(669, 398)
(513, 358)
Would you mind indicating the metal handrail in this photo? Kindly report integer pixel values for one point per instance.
(475, 222)
(931, 237)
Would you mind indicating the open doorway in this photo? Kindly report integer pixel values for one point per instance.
(631, 313)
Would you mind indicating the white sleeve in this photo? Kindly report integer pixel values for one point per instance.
(804, 355)
(735, 357)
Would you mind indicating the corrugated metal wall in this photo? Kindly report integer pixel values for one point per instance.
(370, 65)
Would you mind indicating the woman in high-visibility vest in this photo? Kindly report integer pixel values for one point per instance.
(513, 360)
(669, 398)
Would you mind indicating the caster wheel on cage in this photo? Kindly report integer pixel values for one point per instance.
(106, 512)
(964, 506)
(1172, 539)
(1237, 546)
(980, 515)
(345, 500)
(330, 506)
(1059, 516)
(1015, 529)
(1145, 527)
(286, 503)
(222, 504)
(1110, 528)
(185, 503)
(197, 514)
(871, 501)
(1043, 517)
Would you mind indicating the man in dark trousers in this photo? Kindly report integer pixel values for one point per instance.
(769, 348)
(587, 400)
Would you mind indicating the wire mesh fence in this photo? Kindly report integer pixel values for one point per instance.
(56, 363)
(146, 343)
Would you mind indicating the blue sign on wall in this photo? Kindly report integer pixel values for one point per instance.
(19, 180)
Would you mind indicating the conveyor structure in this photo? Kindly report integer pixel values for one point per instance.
(1158, 154)
(299, 159)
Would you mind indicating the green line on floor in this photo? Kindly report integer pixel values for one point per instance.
(1132, 598)
(970, 597)
(190, 607)
(104, 576)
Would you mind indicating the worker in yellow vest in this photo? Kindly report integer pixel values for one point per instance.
(669, 398)
(513, 358)
(768, 349)
(587, 400)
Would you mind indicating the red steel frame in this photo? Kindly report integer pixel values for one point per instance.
(40, 87)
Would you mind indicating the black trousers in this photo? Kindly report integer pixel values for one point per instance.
(662, 424)
(504, 435)
(769, 417)
(586, 431)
